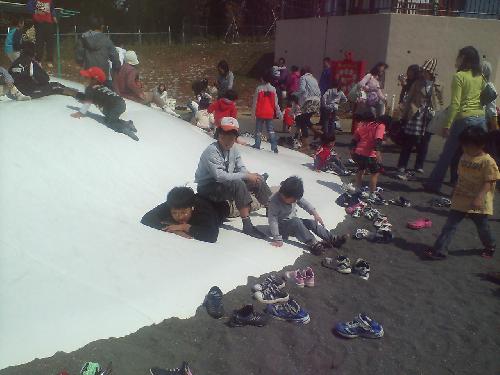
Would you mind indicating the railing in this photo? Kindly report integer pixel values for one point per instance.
(454, 8)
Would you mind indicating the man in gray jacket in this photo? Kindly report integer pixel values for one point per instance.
(221, 176)
(95, 48)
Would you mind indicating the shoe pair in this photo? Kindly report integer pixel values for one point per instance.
(183, 370)
(376, 198)
(290, 311)
(301, 278)
(247, 316)
(360, 326)
(270, 290)
(343, 265)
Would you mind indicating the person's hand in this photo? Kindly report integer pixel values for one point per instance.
(445, 132)
(379, 157)
(77, 115)
(318, 218)
(254, 178)
(477, 203)
(277, 243)
(176, 228)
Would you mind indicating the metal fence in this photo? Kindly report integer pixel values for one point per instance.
(455, 8)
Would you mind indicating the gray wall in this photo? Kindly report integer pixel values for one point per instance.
(398, 39)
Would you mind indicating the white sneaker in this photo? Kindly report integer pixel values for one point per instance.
(349, 188)
(401, 170)
(343, 264)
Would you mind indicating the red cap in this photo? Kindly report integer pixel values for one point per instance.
(94, 72)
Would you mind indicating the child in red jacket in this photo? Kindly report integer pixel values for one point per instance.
(289, 113)
(224, 107)
(265, 109)
(326, 159)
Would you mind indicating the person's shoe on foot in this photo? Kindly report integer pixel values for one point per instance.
(183, 370)
(488, 252)
(213, 303)
(128, 132)
(419, 170)
(317, 248)
(250, 230)
(247, 316)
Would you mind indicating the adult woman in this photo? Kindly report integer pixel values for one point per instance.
(412, 74)
(372, 84)
(309, 96)
(465, 110)
(225, 78)
(424, 97)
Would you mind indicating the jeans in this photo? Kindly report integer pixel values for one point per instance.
(450, 149)
(237, 191)
(333, 164)
(449, 229)
(259, 125)
(422, 145)
(302, 228)
(44, 41)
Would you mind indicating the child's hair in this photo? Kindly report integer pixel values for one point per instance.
(267, 76)
(473, 135)
(327, 139)
(294, 68)
(224, 66)
(292, 187)
(28, 49)
(326, 59)
(95, 23)
(335, 84)
(204, 103)
(385, 119)
(180, 197)
(200, 86)
(164, 87)
(231, 95)
(293, 99)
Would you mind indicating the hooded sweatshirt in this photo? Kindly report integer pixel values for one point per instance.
(127, 85)
(95, 49)
(265, 102)
(223, 108)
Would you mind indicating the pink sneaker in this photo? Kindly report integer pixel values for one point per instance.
(309, 277)
(420, 223)
(296, 276)
(350, 210)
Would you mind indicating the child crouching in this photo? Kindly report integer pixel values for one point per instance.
(283, 220)
(111, 104)
(326, 159)
(473, 195)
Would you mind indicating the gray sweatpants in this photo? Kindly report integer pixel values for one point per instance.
(302, 228)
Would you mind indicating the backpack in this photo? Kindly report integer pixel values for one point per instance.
(265, 108)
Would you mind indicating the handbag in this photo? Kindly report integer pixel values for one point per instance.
(488, 94)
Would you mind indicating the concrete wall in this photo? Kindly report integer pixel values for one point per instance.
(398, 39)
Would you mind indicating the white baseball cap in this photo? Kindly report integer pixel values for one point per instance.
(131, 58)
(228, 124)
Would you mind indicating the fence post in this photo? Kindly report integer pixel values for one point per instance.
(140, 37)
(169, 36)
(183, 33)
(76, 35)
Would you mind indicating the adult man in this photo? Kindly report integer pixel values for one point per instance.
(221, 175)
(44, 18)
(95, 48)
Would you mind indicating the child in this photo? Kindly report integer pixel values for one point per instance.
(265, 109)
(202, 118)
(224, 107)
(13, 40)
(283, 220)
(7, 86)
(188, 215)
(330, 101)
(109, 102)
(327, 159)
(200, 91)
(473, 195)
(288, 115)
(366, 144)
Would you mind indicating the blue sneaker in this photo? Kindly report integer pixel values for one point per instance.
(363, 326)
(290, 312)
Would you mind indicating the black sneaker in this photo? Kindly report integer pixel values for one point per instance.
(213, 303)
(130, 133)
(183, 370)
(274, 280)
(271, 295)
(362, 268)
(318, 248)
(246, 316)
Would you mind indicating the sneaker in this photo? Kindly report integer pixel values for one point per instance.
(376, 198)
(246, 316)
(343, 265)
(297, 277)
(349, 188)
(271, 295)
(131, 126)
(275, 151)
(362, 268)
(317, 249)
(488, 253)
(401, 170)
(183, 370)
(337, 241)
(309, 277)
(130, 133)
(420, 170)
(213, 303)
(274, 280)
(290, 312)
(362, 326)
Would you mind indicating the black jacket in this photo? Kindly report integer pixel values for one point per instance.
(205, 222)
(102, 97)
(28, 74)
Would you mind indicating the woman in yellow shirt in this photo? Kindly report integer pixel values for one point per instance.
(465, 110)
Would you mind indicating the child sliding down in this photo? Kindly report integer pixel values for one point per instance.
(326, 159)
(110, 103)
(283, 220)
